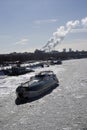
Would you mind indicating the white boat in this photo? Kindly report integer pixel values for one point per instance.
(37, 85)
(56, 62)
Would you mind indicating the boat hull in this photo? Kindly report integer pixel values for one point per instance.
(38, 85)
(43, 88)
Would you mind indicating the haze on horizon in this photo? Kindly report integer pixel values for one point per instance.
(28, 25)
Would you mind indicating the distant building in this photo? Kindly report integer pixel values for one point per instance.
(70, 49)
(64, 50)
(77, 51)
(39, 51)
(54, 52)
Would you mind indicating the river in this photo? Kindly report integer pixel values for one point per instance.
(65, 108)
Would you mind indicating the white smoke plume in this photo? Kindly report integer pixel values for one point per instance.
(62, 31)
(84, 21)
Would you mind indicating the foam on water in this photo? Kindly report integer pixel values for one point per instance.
(67, 128)
(9, 84)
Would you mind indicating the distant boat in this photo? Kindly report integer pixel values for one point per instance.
(14, 71)
(37, 85)
(56, 62)
(1, 73)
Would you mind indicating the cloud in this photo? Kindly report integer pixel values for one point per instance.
(79, 30)
(23, 41)
(45, 21)
(5, 36)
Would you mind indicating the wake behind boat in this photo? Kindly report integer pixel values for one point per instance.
(37, 85)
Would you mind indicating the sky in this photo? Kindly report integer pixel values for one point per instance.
(26, 25)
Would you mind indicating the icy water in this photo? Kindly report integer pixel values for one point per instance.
(65, 108)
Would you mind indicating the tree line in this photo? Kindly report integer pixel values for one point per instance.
(40, 55)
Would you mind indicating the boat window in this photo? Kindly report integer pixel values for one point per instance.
(40, 76)
(35, 88)
(33, 81)
(25, 84)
